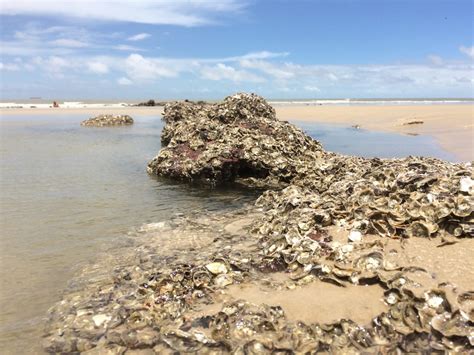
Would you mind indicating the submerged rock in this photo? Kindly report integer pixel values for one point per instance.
(108, 120)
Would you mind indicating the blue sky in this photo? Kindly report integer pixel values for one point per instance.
(120, 49)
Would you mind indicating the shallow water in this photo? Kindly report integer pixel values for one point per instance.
(360, 142)
(66, 192)
(69, 191)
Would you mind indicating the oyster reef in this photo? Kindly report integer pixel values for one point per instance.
(108, 120)
(323, 218)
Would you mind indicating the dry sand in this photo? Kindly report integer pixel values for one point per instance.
(451, 125)
(85, 112)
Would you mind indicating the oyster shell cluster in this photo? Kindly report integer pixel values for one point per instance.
(238, 139)
(295, 227)
(108, 120)
(241, 140)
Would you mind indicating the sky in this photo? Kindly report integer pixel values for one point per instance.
(208, 49)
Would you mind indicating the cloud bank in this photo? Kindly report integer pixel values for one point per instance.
(263, 75)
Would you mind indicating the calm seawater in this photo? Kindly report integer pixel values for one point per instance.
(66, 191)
(69, 191)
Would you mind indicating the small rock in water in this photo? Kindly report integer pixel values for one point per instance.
(412, 123)
(108, 120)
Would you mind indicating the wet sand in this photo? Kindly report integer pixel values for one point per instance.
(451, 125)
(441, 261)
(317, 302)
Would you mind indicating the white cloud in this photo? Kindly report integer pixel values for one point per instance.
(139, 37)
(55, 63)
(435, 59)
(54, 66)
(33, 40)
(124, 81)
(69, 42)
(225, 72)
(17, 48)
(141, 68)
(277, 71)
(127, 48)
(312, 88)
(9, 66)
(164, 12)
(332, 76)
(272, 74)
(32, 32)
(469, 51)
(264, 55)
(98, 67)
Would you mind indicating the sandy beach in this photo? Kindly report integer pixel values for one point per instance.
(452, 126)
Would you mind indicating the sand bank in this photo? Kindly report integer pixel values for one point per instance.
(451, 125)
(84, 111)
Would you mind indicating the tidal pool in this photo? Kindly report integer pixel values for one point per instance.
(370, 144)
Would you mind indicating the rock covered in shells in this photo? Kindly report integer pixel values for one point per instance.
(108, 120)
(241, 139)
(238, 139)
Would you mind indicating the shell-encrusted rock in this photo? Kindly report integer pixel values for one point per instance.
(108, 120)
(238, 139)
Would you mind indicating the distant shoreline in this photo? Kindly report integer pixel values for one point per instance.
(40, 103)
(451, 125)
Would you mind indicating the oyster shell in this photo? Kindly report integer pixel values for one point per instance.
(217, 268)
